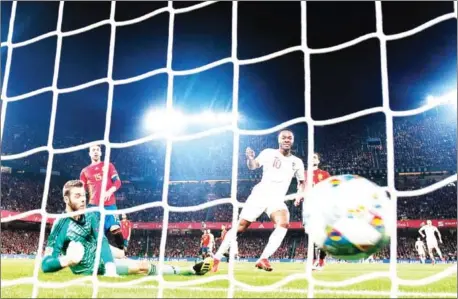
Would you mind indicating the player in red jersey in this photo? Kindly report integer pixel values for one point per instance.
(126, 229)
(92, 176)
(318, 176)
(205, 244)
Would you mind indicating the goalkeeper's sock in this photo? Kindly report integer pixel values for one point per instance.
(166, 270)
(275, 240)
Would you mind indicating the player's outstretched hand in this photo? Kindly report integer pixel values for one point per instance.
(249, 153)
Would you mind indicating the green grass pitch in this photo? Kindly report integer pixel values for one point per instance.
(245, 273)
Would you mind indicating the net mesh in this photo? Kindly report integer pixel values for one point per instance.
(312, 282)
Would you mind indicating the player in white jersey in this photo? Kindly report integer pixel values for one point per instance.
(420, 247)
(431, 241)
(211, 246)
(279, 167)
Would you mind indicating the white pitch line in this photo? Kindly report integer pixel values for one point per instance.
(293, 291)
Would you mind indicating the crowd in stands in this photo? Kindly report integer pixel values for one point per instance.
(424, 141)
(24, 193)
(251, 244)
(201, 171)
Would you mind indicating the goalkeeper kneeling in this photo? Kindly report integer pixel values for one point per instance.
(73, 243)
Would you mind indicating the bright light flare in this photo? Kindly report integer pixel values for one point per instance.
(163, 120)
(449, 98)
(171, 121)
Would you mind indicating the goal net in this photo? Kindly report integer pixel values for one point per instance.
(311, 124)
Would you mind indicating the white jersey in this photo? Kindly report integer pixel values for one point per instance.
(420, 246)
(212, 241)
(277, 172)
(430, 231)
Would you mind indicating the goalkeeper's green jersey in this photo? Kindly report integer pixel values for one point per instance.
(83, 230)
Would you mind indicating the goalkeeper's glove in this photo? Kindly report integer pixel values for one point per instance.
(110, 270)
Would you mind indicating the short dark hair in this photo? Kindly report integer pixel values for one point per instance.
(98, 145)
(70, 185)
(285, 130)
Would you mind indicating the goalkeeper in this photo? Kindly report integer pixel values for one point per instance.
(73, 243)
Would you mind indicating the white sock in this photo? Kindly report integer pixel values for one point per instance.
(439, 252)
(224, 247)
(275, 240)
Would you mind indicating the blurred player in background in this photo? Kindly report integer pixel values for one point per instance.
(73, 243)
(92, 176)
(204, 244)
(279, 167)
(431, 241)
(420, 247)
(318, 176)
(370, 259)
(211, 245)
(126, 229)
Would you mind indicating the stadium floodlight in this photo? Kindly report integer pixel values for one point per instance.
(207, 117)
(162, 120)
(450, 97)
(153, 120)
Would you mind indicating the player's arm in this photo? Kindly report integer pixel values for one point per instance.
(420, 231)
(252, 162)
(53, 261)
(114, 176)
(130, 231)
(83, 178)
(115, 180)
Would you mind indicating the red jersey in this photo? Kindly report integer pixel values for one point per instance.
(205, 240)
(223, 234)
(126, 226)
(92, 178)
(318, 175)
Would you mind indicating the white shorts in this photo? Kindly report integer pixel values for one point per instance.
(432, 243)
(420, 253)
(257, 204)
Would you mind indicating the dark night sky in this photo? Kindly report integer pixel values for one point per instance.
(271, 92)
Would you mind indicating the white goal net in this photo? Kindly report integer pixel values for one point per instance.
(233, 283)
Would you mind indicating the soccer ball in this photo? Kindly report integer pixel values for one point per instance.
(348, 216)
(75, 252)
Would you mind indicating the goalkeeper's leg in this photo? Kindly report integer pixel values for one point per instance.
(130, 267)
(113, 226)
